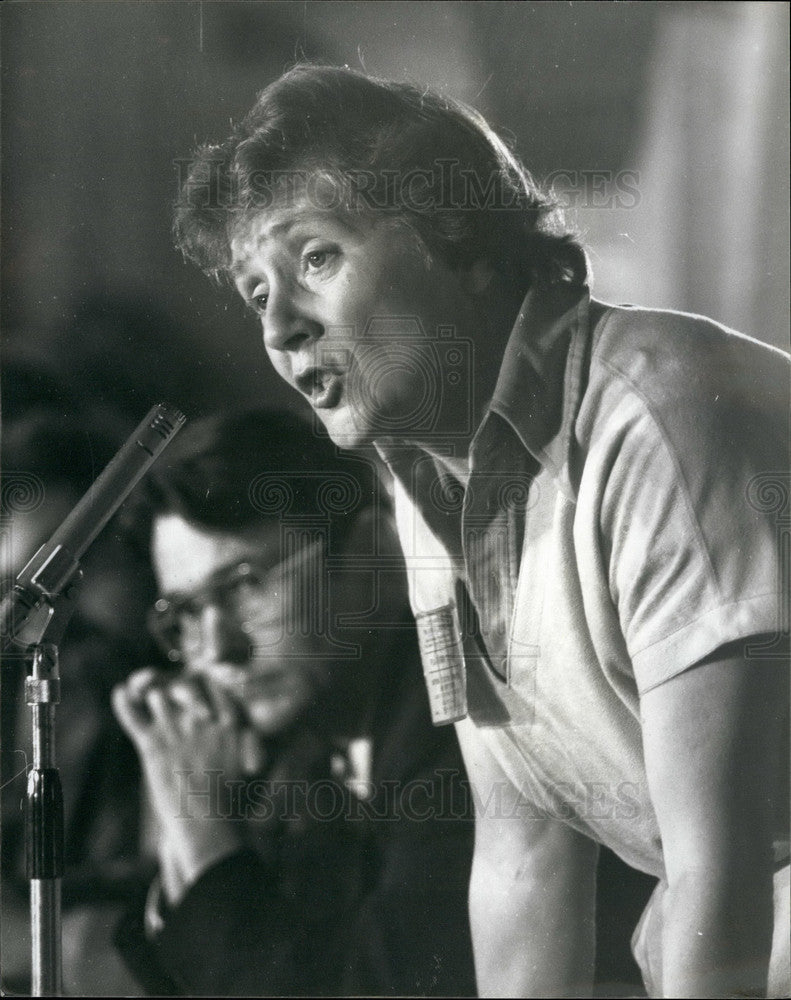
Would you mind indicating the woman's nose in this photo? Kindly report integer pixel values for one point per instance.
(287, 323)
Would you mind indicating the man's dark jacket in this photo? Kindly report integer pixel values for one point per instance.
(339, 895)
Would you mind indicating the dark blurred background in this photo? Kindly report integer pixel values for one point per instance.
(664, 126)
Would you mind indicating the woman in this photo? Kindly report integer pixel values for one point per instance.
(583, 495)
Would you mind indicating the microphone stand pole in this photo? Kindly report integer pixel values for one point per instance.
(44, 826)
(44, 832)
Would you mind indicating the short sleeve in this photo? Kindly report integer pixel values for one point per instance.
(692, 541)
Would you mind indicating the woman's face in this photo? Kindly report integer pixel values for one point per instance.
(358, 320)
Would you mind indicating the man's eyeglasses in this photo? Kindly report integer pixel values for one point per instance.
(252, 593)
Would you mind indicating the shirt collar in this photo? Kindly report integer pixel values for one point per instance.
(539, 387)
(541, 378)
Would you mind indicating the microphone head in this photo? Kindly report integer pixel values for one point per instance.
(158, 427)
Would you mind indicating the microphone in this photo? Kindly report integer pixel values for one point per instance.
(55, 565)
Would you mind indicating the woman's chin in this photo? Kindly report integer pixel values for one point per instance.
(345, 428)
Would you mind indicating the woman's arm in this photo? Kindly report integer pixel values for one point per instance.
(532, 893)
(711, 737)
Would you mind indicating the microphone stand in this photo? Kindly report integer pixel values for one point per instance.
(35, 615)
(44, 827)
(44, 833)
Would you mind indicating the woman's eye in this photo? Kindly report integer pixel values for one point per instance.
(258, 303)
(316, 259)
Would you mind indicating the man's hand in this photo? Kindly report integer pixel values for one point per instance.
(191, 742)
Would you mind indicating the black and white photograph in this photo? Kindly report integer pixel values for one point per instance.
(395, 498)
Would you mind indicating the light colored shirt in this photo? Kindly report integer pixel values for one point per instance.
(620, 522)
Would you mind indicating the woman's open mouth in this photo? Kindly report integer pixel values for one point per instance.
(322, 386)
(327, 390)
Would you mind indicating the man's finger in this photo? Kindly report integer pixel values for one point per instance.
(191, 700)
(131, 712)
(140, 681)
(161, 709)
(226, 712)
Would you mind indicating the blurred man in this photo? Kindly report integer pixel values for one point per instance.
(311, 825)
(584, 496)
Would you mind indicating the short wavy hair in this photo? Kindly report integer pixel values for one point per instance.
(359, 144)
